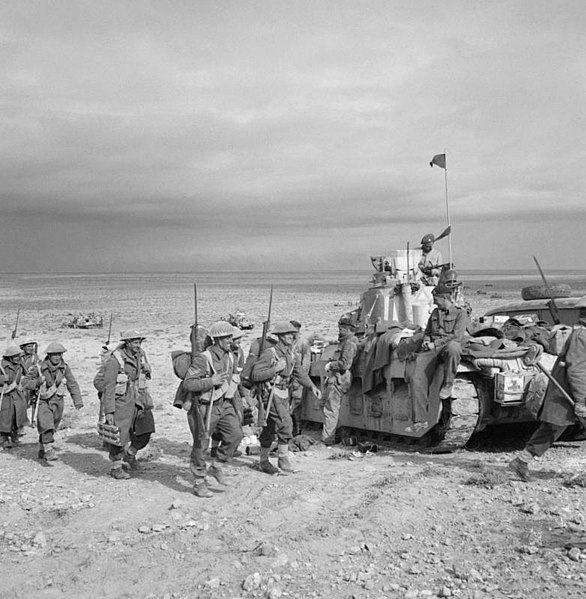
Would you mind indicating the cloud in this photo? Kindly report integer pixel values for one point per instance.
(303, 129)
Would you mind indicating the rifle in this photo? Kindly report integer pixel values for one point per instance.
(110, 329)
(552, 305)
(265, 329)
(36, 410)
(193, 336)
(16, 324)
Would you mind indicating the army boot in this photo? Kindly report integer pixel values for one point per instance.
(216, 472)
(265, 464)
(129, 458)
(50, 454)
(200, 489)
(118, 472)
(283, 461)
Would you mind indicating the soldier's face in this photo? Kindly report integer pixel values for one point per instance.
(224, 343)
(287, 338)
(14, 359)
(426, 247)
(133, 345)
(55, 359)
(29, 348)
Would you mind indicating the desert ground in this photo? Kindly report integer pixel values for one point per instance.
(397, 523)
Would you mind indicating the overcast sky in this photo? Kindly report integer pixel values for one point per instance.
(202, 135)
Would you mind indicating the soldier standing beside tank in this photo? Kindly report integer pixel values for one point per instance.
(127, 402)
(557, 413)
(211, 378)
(431, 261)
(278, 367)
(338, 378)
(51, 377)
(12, 402)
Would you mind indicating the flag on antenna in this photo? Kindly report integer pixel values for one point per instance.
(438, 160)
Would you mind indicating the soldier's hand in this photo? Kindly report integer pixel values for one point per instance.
(580, 409)
(218, 379)
(317, 393)
(109, 418)
(187, 405)
(280, 365)
(427, 345)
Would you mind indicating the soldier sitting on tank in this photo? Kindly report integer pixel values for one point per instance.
(445, 334)
(441, 348)
(430, 263)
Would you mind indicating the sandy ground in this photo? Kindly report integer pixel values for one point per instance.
(396, 523)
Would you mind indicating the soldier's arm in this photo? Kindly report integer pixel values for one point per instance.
(462, 322)
(110, 377)
(576, 366)
(73, 387)
(347, 355)
(197, 379)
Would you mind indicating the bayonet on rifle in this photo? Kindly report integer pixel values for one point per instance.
(16, 324)
(552, 305)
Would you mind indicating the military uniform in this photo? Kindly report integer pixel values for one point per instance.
(13, 402)
(338, 380)
(429, 264)
(51, 377)
(302, 351)
(213, 404)
(127, 402)
(276, 385)
(557, 413)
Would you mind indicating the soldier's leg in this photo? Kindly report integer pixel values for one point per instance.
(115, 455)
(541, 440)
(195, 419)
(331, 410)
(230, 431)
(46, 429)
(284, 430)
(266, 438)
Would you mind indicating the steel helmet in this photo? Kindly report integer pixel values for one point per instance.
(429, 238)
(12, 350)
(130, 335)
(282, 327)
(27, 341)
(55, 348)
(346, 321)
(237, 334)
(221, 329)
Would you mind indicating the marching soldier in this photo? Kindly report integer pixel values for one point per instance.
(29, 358)
(212, 379)
(12, 403)
(302, 351)
(51, 377)
(127, 402)
(277, 367)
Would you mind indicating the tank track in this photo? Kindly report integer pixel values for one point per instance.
(458, 419)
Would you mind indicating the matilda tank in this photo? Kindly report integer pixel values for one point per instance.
(498, 379)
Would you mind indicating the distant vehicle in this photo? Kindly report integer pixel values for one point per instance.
(537, 310)
(502, 386)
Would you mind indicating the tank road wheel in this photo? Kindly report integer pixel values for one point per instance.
(458, 419)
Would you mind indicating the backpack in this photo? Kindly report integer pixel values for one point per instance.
(181, 361)
(105, 354)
